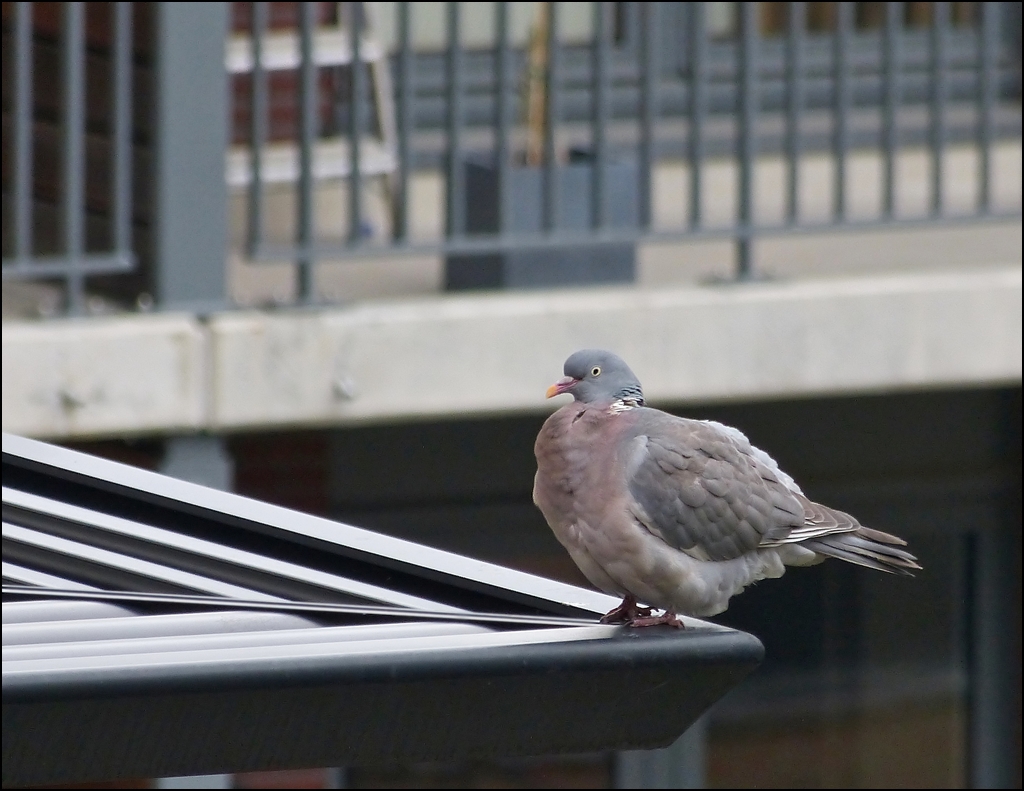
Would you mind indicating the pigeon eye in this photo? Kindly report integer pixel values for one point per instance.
(595, 371)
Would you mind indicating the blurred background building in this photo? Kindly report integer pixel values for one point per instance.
(330, 255)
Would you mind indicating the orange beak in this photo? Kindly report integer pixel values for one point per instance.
(563, 385)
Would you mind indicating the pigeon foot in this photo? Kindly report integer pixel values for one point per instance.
(668, 618)
(627, 612)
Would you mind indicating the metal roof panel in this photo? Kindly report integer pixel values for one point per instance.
(309, 642)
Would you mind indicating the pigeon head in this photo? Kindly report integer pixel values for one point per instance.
(594, 375)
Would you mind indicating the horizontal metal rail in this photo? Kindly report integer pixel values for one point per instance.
(563, 238)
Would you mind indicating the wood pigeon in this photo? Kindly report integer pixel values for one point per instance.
(677, 514)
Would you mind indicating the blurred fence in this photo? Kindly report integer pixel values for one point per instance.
(543, 141)
(66, 209)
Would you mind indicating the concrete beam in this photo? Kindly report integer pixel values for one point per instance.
(496, 353)
(102, 377)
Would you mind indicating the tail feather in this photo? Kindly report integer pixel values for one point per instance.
(866, 547)
(833, 533)
(878, 535)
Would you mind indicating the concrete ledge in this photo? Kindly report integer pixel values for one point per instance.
(104, 376)
(496, 353)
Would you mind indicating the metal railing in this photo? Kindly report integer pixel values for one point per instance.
(61, 218)
(319, 101)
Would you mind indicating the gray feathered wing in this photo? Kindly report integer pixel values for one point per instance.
(705, 490)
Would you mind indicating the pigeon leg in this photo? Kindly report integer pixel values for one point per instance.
(627, 612)
(668, 618)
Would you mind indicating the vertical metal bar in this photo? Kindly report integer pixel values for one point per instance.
(190, 194)
(891, 63)
(648, 106)
(74, 151)
(406, 120)
(988, 48)
(455, 215)
(122, 125)
(23, 192)
(204, 459)
(747, 132)
(355, 126)
(939, 36)
(795, 102)
(994, 714)
(841, 109)
(551, 214)
(257, 128)
(698, 107)
(503, 114)
(682, 764)
(308, 114)
(599, 119)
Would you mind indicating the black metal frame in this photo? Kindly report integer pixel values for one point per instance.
(232, 635)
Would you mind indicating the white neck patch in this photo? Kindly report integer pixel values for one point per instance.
(622, 405)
